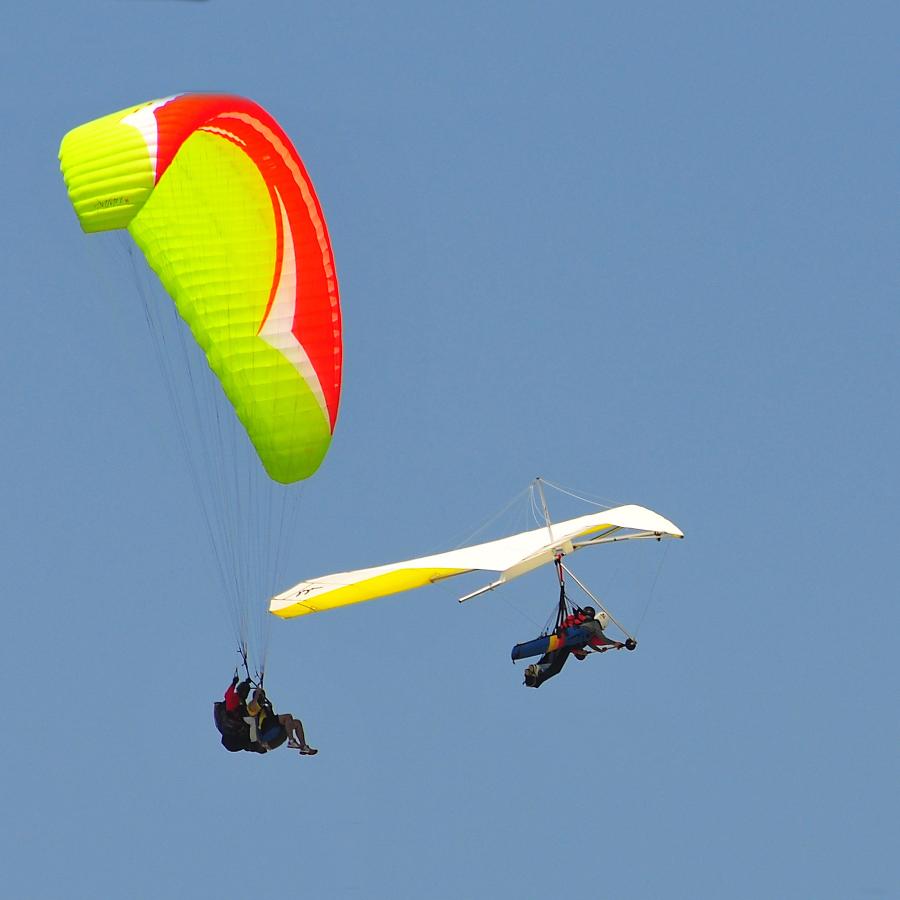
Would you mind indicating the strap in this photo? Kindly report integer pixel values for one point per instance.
(562, 608)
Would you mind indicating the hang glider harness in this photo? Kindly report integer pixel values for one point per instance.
(561, 636)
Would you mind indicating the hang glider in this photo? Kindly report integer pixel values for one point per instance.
(510, 556)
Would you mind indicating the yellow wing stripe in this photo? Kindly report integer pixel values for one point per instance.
(368, 589)
(593, 530)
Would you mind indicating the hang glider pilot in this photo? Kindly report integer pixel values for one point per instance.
(592, 624)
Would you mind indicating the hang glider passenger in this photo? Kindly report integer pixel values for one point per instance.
(595, 624)
(581, 631)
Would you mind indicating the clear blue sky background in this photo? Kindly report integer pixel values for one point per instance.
(646, 250)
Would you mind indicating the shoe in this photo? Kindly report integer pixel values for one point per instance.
(308, 751)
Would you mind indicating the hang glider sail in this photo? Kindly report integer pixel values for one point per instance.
(510, 556)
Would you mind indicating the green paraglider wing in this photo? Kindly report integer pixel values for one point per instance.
(218, 200)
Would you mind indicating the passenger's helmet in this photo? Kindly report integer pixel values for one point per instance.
(603, 618)
(589, 612)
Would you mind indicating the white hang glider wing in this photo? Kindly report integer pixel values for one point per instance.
(510, 556)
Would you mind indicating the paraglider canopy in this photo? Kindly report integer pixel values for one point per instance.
(217, 198)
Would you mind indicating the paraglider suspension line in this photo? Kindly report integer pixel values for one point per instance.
(242, 649)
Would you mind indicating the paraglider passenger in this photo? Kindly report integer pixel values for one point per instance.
(275, 728)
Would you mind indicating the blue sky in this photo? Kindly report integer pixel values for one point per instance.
(643, 251)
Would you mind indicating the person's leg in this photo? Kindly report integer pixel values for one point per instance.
(296, 737)
(554, 667)
(289, 723)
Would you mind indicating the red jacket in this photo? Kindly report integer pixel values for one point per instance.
(232, 701)
(573, 620)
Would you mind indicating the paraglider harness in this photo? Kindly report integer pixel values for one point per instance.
(235, 732)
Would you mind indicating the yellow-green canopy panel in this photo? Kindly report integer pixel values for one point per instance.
(218, 200)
